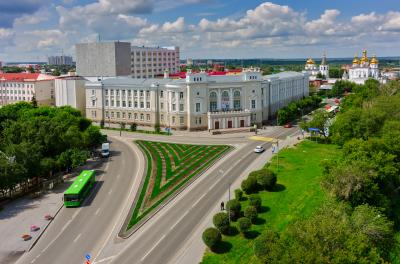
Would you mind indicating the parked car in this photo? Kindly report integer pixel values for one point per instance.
(259, 149)
(288, 125)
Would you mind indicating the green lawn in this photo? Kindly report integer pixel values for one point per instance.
(169, 167)
(299, 194)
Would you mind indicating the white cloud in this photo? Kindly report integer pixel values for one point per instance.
(177, 26)
(5, 33)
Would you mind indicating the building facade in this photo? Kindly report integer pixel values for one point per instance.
(60, 60)
(362, 69)
(198, 102)
(70, 90)
(22, 87)
(148, 62)
(108, 59)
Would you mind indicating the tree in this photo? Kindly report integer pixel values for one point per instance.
(319, 120)
(56, 72)
(251, 213)
(233, 207)
(266, 179)
(266, 245)
(255, 200)
(244, 224)
(221, 222)
(238, 194)
(249, 185)
(34, 102)
(133, 127)
(211, 237)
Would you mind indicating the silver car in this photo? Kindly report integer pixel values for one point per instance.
(259, 149)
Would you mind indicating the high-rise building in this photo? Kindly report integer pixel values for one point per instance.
(150, 62)
(60, 60)
(103, 59)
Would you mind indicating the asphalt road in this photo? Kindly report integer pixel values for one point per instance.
(160, 242)
(78, 231)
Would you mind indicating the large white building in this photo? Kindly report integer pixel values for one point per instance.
(22, 87)
(362, 69)
(70, 90)
(149, 62)
(198, 102)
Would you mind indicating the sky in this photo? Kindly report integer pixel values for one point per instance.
(31, 30)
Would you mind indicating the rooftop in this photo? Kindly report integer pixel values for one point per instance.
(23, 77)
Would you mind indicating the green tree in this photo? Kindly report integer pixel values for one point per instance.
(211, 237)
(233, 207)
(221, 222)
(244, 225)
(251, 213)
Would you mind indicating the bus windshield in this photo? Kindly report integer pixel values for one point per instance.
(71, 197)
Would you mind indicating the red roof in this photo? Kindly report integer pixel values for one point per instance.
(21, 77)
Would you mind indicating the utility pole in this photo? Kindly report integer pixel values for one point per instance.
(229, 198)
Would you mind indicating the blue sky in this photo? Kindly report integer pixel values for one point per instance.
(30, 30)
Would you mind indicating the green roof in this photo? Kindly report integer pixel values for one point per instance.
(80, 182)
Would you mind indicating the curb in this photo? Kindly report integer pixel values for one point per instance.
(124, 233)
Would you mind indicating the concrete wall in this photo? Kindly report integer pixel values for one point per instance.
(44, 92)
(71, 92)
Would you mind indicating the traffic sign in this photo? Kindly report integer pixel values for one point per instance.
(88, 256)
(313, 129)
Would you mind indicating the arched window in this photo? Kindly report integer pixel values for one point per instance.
(213, 101)
(225, 100)
(236, 100)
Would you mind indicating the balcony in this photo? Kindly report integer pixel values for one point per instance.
(229, 112)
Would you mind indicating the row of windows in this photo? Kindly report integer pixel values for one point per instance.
(136, 116)
(15, 98)
(149, 53)
(15, 92)
(225, 94)
(135, 93)
(161, 70)
(17, 85)
(154, 59)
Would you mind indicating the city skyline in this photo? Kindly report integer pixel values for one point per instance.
(31, 30)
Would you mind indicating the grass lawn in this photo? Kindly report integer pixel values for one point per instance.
(298, 194)
(169, 167)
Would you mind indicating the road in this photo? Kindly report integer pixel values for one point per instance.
(160, 242)
(78, 231)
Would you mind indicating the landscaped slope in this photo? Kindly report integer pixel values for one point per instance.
(169, 167)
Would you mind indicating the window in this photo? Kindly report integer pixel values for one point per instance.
(93, 92)
(197, 107)
(106, 102)
(199, 120)
(93, 102)
(118, 114)
(112, 92)
(135, 104)
(141, 116)
(107, 115)
(181, 107)
(173, 94)
(253, 104)
(123, 92)
(106, 91)
(147, 93)
(148, 117)
(147, 104)
(141, 93)
(181, 120)
(162, 106)
(134, 92)
(135, 116)
(181, 95)
(117, 92)
(118, 104)
(129, 93)
(162, 117)
(161, 94)
(123, 103)
(123, 115)
(173, 107)
(213, 101)
(225, 100)
(129, 103)
(173, 120)
(129, 115)
(141, 104)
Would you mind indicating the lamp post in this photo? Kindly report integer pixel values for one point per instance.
(157, 121)
(301, 117)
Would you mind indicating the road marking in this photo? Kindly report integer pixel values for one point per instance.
(77, 237)
(97, 211)
(198, 200)
(260, 138)
(76, 213)
(109, 192)
(35, 258)
(155, 245)
(180, 219)
(212, 186)
(104, 259)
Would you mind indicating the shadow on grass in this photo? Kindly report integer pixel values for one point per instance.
(264, 209)
(278, 188)
(233, 231)
(251, 234)
(222, 247)
(259, 221)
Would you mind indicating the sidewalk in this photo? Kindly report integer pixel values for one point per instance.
(18, 215)
(193, 250)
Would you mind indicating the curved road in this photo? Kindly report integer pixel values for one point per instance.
(77, 231)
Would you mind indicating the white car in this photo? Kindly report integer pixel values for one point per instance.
(259, 149)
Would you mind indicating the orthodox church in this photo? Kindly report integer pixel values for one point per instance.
(362, 69)
(312, 69)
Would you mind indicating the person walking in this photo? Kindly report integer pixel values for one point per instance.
(222, 206)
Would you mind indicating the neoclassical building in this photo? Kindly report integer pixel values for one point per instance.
(362, 69)
(200, 101)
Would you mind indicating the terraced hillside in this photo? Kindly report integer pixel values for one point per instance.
(169, 167)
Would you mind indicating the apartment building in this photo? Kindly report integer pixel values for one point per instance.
(198, 102)
(60, 60)
(150, 62)
(22, 87)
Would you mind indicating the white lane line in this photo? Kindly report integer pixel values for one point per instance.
(77, 237)
(59, 234)
(35, 258)
(97, 211)
(212, 186)
(155, 245)
(179, 220)
(109, 192)
(104, 259)
(198, 200)
(76, 213)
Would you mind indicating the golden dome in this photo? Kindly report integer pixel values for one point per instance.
(356, 60)
(364, 58)
(374, 60)
(310, 61)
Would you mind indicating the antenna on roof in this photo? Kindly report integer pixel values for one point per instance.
(99, 38)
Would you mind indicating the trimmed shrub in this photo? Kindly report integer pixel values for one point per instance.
(266, 179)
(221, 222)
(211, 237)
(255, 200)
(249, 185)
(234, 207)
(238, 194)
(133, 127)
(244, 224)
(263, 244)
(251, 213)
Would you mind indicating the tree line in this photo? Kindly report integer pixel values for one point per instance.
(294, 109)
(36, 142)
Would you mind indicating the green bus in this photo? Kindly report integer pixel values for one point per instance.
(79, 189)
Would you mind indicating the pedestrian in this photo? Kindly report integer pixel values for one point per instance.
(222, 206)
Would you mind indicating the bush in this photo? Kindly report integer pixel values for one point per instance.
(262, 245)
(267, 179)
(244, 224)
(133, 127)
(249, 185)
(251, 213)
(211, 237)
(234, 207)
(255, 200)
(221, 222)
(238, 194)
(102, 124)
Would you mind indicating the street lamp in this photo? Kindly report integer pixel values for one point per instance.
(301, 109)
(157, 121)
